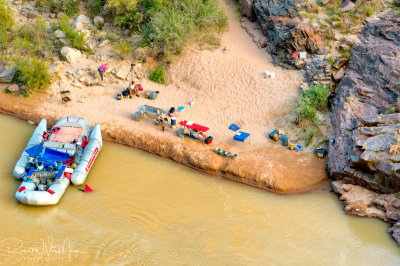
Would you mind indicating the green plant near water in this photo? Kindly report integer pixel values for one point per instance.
(312, 100)
(32, 73)
(158, 74)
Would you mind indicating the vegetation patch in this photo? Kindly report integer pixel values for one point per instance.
(6, 23)
(32, 73)
(312, 100)
(158, 74)
(123, 49)
(167, 26)
(69, 7)
(75, 38)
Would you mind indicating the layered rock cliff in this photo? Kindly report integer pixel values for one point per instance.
(284, 28)
(365, 117)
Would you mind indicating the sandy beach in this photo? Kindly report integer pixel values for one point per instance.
(226, 87)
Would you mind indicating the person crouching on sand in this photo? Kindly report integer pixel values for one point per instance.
(102, 69)
(133, 89)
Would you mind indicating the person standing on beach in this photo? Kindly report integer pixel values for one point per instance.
(102, 69)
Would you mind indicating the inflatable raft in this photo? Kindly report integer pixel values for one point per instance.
(53, 159)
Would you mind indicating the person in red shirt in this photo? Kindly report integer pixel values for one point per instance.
(102, 69)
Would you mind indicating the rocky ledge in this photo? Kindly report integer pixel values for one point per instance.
(365, 119)
(362, 202)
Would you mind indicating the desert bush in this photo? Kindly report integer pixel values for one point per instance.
(312, 100)
(125, 13)
(32, 40)
(123, 49)
(211, 40)
(6, 16)
(6, 23)
(167, 33)
(158, 74)
(69, 7)
(75, 38)
(110, 37)
(32, 73)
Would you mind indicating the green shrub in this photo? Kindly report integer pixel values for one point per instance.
(32, 40)
(158, 74)
(69, 7)
(167, 33)
(312, 100)
(123, 49)
(310, 135)
(331, 60)
(98, 5)
(169, 30)
(32, 73)
(305, 111)
(110, 37)
(210, 39)
(75, 38)
(6, 23)
(369, 10)
(125, 13)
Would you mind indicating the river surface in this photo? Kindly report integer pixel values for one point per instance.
(149, 210)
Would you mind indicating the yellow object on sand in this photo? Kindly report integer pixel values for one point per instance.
(291, 146)
(320, 155)
(276, 137)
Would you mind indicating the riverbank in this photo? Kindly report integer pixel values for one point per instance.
(269, 167)
(226, 86)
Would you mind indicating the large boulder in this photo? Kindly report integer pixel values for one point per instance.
(81, 22)
(365, 119)
(347, 6)
(7, 75)
(59, 34)
(98, 22)
(283, 26)
(70, 54)
(13, 88)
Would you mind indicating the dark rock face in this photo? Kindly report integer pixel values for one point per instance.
(364, 123)
(282, 25)
(318, 71)
(247, 10)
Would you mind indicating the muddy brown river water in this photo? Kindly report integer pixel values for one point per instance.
(149, 210)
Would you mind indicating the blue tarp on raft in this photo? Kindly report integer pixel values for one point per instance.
(35, 150)
(48, 155)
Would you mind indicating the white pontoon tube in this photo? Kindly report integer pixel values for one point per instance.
(89, 154)
(27, 193)
(37, 138)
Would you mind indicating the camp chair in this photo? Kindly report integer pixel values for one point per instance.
(241, 136)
